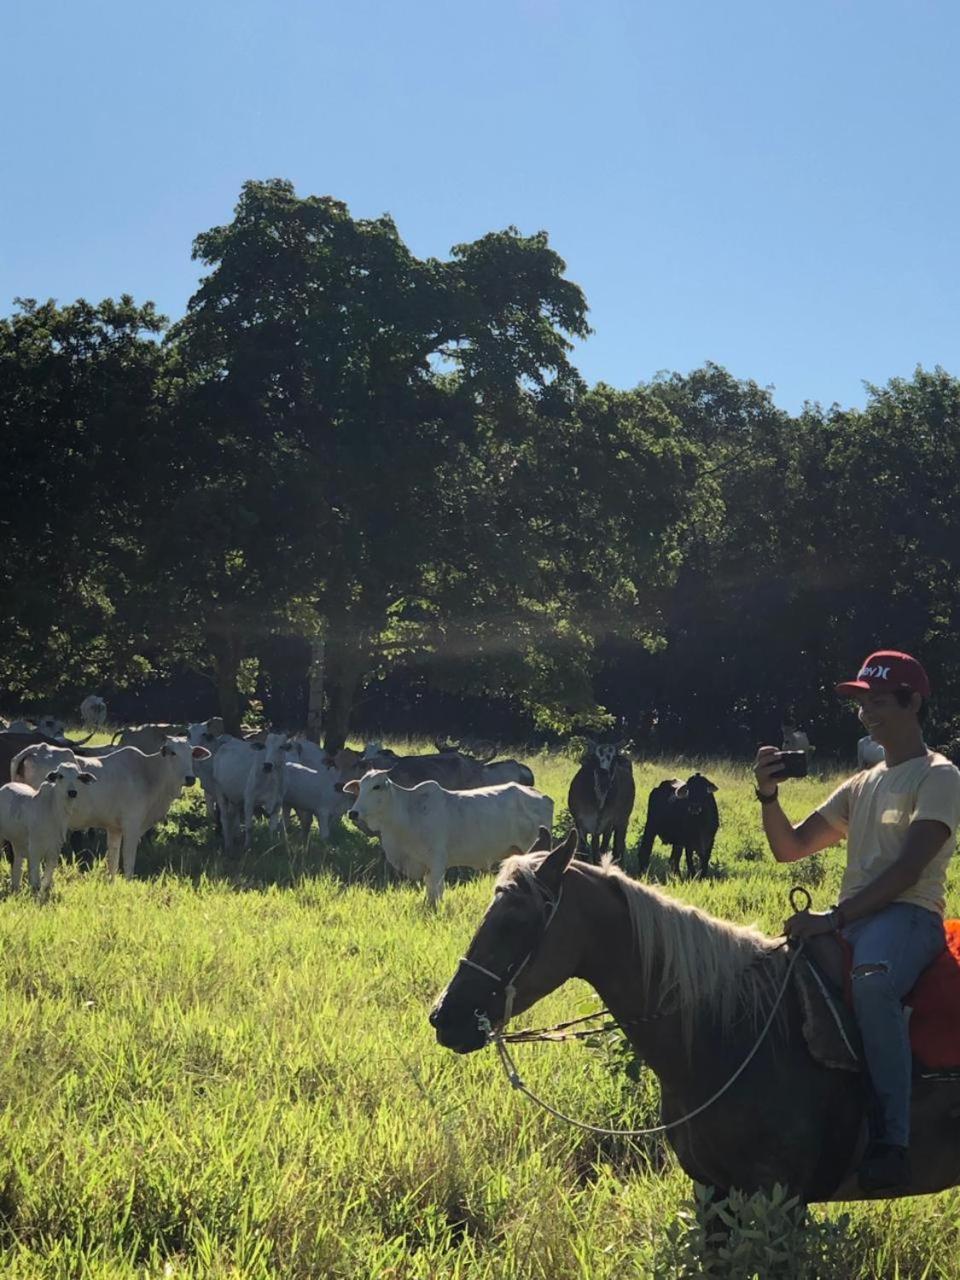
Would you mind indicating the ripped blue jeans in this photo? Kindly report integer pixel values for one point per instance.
(890, 950)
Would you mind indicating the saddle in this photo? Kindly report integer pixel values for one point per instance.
(822, 981)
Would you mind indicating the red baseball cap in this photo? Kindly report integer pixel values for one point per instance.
(886, 671)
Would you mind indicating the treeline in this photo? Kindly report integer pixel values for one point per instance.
(354, 481)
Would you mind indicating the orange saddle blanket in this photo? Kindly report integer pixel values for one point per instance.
(935, 1001)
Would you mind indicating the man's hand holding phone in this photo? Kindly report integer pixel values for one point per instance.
(772, 766)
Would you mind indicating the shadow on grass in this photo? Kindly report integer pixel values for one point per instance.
(186, 846)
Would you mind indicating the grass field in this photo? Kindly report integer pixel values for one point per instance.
(226, 1071)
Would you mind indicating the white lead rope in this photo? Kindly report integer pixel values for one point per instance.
(513, 1075)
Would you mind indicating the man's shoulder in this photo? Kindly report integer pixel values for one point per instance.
(943, 767)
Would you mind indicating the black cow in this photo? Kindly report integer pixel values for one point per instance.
(683, 815)
(601, 798)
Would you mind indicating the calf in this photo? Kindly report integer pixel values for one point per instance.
(601, 799)
(683, 815)
(248, 776)
(310, 790)
(426, 829)
(35, 822)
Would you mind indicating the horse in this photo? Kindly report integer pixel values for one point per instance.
(692, 994)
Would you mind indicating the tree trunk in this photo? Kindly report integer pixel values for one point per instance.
(227, 653)
(315, 693)
(345, 668)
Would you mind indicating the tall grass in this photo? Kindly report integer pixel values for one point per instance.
(225, 1070)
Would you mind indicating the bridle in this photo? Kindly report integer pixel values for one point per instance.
(508, 981)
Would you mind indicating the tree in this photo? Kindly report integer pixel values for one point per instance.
(335, 393)
(77, 400)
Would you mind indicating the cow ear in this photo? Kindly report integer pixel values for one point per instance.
(200, 753)
(351, 788)
(86, 777)
(682, 792)
(543, 841)
(52, 776)
(551, 869)
(166, 750)
(711, 785)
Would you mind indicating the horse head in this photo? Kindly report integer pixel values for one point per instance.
(521, 952)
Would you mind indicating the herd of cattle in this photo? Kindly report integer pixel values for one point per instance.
(430, 812)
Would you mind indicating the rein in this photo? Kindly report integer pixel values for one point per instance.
(500, 1039)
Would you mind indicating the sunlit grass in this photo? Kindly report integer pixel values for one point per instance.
(225, 1069)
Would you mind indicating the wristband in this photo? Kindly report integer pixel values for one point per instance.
(765, 799)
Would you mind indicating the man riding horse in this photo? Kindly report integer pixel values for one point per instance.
(899, 819)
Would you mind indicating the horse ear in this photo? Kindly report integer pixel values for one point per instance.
(543, 841)
(551, 869)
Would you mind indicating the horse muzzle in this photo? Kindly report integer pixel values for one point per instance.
(461, 1031)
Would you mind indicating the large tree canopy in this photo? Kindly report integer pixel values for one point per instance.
(344, 449)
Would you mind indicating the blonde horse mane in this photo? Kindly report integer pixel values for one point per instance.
(688, 959)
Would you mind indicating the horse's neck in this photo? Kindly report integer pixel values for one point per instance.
(611, 964)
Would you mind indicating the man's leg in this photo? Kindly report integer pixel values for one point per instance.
(890, 950)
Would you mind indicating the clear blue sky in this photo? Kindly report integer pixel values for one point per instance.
(771, 186)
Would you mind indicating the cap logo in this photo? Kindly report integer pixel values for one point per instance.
(873, 673)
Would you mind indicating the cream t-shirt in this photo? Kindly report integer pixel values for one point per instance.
(874, 809)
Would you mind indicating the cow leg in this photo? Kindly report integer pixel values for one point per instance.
(131, 841)
(49, 860)
(605, 840)
(434, 880)
(276, 824)
(703, 853)
(33, 867)
(675, 852)
(323, 824)
(644, 853)
(114, 839)
(691, 867)
(16, 869)
(223, 804)
(620, 845)
(249, 814)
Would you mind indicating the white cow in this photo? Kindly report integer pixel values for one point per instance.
(148, 738)
(33, 763)
(93, 712)
(869, 752)
(311, 792)
(20, 726)
(209, 734)
(51, 727)
(135, 793)
(426, 829)
(248, 776)
(35, 821)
